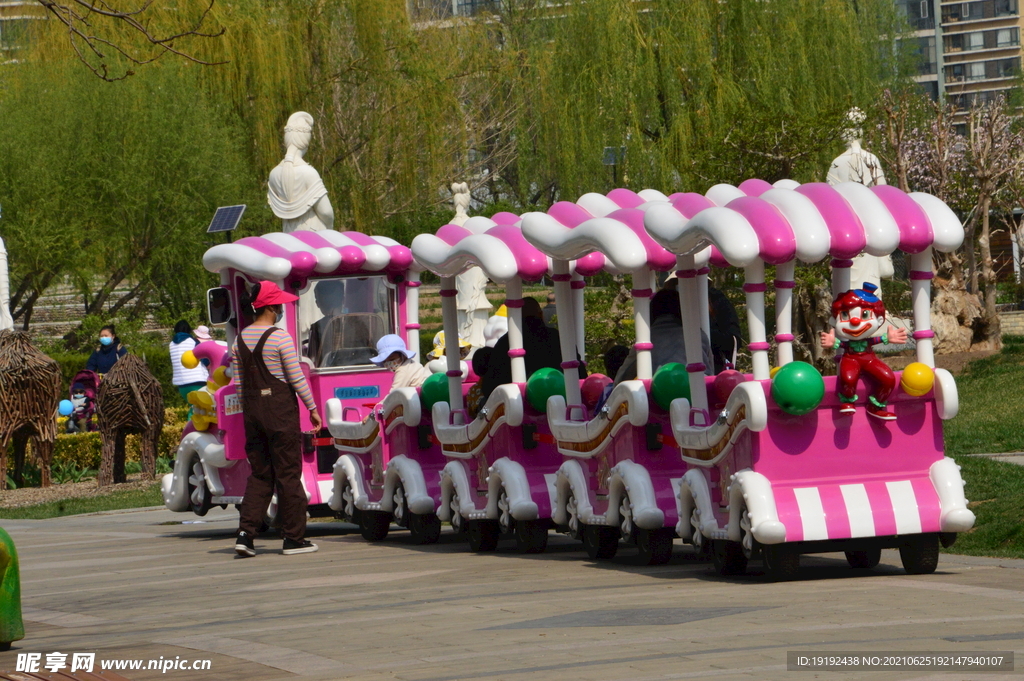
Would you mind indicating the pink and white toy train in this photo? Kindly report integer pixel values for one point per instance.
(769, 465)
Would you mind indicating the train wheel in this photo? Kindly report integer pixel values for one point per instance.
(198, 491)
(399, 509)
(348, 502)
(864, 560)
(425, 527)
(457, 521)
(655, 545)
(780, 561)
(920, 555)
(728, 557)
(531, 536)
(601, 542)
(374, 525)
(572, 510)
(483, 535)
(506, 522)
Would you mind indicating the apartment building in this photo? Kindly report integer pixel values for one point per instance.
(970, 51)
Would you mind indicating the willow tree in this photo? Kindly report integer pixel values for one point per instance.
(109, 186)
(696, 92)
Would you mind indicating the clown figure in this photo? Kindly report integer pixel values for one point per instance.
(857, 316)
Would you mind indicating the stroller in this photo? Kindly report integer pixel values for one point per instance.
(84, 387)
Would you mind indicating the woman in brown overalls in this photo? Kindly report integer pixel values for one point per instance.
(268, 378)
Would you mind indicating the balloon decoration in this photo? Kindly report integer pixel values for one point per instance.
(724, 384)
(543, 384)
(917, 379)
(773, 371)
(671, 381)
(434, 390)
(65, 407)
(592, 388)
(798, 388)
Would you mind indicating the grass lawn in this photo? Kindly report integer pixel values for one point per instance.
(990, 421)
(109, 502)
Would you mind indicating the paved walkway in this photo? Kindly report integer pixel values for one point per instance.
(140, 585)
(1007, 457)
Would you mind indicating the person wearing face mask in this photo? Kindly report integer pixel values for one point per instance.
(109, 351)
(268, 377)
(394, 356)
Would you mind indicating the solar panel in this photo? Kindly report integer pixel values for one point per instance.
(226, 219)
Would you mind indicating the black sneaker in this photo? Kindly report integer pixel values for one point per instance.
(243, 545)
(291, 547)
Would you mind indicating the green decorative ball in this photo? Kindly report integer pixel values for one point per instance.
(434, 389)
(671, 381)
(798, 388)
(543, 384)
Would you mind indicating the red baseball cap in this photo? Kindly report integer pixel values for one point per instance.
(271, 294)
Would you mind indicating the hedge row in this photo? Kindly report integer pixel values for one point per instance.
(84, 450)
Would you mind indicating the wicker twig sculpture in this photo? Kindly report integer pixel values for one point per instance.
(130, 401)
(29, 393)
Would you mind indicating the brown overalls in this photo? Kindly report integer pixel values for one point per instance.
(273, 445)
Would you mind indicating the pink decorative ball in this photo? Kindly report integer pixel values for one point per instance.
(592, 388)
(724, 384)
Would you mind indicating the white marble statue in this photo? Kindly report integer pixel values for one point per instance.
(295, 191)
(859, 165)
(6, 321)
(471, 285)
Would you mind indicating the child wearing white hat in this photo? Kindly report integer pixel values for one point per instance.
(395, 356)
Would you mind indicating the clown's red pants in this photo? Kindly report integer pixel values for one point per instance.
(853, 363)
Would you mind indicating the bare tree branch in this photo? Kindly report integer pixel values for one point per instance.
(92, 47)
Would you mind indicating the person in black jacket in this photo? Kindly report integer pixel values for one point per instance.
(540, 342)
(109, 351)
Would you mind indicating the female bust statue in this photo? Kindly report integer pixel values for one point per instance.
(295, 191)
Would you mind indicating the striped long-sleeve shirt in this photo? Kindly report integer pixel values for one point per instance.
(280, 357)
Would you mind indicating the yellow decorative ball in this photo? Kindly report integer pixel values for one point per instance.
(189, 360)
(917, 379)
(774, 370)
(220, 377)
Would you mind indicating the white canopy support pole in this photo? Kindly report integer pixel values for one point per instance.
(920, 292)
(578, 308)
(841, 276)
(642, 292)
(514, 305)
(412, 313)
(567, 331)
(702, 294)
(689, 306)
(450, 317)
(754, 288)
(784, 284)
(6, 321)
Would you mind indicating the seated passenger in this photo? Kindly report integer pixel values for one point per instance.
(540, 342)
(666, 337)
(726, 338)
(475, 395)
(393, 355)
(336, 332)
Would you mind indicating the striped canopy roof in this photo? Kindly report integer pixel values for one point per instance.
(495, 244)
(757, 220)
(280, 255)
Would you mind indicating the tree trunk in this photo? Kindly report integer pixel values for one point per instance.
(988, 278)
(971, 278)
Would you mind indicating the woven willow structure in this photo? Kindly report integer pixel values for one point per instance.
(29, 392)
(130, 401)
